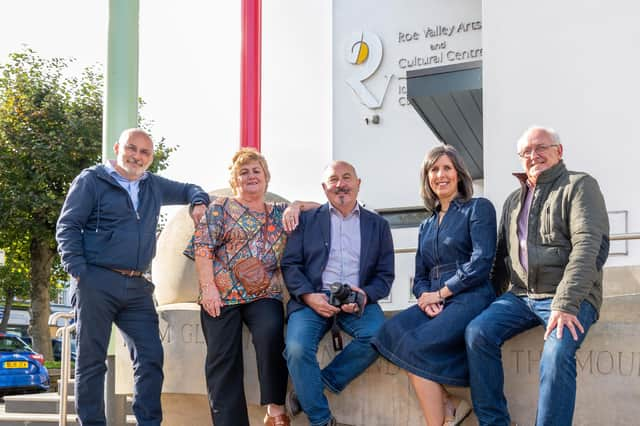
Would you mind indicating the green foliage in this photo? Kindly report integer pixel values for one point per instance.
(50, 129)
(56, 365)
(14, 275)
(161, 154)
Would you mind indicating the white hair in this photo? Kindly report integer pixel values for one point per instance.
(553, 135)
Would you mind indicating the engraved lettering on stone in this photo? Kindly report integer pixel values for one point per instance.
(588, 359)
(518, 353)
(592, 363)
(533, 358)
(165, 335)
(622, 371)
(604, 362)
(191, 334)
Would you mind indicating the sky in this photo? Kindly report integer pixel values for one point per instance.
(69, 28)
(182, 44)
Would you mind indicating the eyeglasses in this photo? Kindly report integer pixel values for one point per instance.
(534, 149)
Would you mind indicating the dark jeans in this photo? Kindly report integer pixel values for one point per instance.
(507, 316)
(304, 332)
(104, 297)
(224, 363)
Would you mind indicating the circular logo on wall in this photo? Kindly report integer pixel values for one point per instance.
(359, 52)
(364, 53)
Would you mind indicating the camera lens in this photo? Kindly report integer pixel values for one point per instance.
(340, 291)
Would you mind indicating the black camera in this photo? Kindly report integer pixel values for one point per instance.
(342, 294)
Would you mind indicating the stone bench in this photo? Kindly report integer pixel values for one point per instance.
(608, 374)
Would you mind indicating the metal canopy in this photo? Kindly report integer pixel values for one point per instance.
(449, 100)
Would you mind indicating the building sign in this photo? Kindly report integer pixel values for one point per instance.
(418, 48)
(435, 45)
(373, 45)
(364, 53)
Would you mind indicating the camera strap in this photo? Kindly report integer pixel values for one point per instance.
(336, 337)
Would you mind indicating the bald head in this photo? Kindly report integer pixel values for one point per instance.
(330, 168)
(131, 133)
(341, 186)
(134, 153)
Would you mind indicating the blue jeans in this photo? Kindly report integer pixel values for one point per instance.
(104, 297)
(304, 331)
(507, 316)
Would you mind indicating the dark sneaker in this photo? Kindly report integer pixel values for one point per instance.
(334, 422)
(291, 404)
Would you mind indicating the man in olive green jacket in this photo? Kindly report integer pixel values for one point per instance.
(552, 243)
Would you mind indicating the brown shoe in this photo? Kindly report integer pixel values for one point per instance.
(281, 420)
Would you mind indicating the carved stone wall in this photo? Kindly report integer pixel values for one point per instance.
(608, 367)
(608, 363)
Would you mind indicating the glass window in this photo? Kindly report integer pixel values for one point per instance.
(406, 217)
(12, 344)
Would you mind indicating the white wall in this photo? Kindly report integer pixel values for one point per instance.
(190, 80)
(571, 65)
(296, 95)
(388, 155)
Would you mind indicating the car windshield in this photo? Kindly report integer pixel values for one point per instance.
(12, 344)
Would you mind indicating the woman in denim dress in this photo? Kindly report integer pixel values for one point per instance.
(456, 247)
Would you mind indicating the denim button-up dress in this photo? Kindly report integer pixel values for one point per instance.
(457, 253)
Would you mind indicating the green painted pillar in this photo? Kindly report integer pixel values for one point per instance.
(121, 82)
(120, 112)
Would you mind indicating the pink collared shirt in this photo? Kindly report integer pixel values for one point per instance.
(523, 225)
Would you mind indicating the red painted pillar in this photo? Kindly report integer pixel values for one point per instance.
(251, 73)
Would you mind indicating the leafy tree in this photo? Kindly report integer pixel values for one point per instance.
(50, 129)
(14, 276)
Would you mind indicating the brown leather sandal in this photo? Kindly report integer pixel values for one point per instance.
(281, 420)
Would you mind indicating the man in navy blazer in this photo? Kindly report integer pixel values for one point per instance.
(339, 242)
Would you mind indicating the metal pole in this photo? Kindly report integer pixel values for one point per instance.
(120, 112)
(65, 364)
(251, 62)
(613, 237)
(121, 83)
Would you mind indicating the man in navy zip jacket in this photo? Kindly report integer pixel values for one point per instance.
(106, 237)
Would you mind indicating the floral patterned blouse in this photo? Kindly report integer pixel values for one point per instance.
(230, 232)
